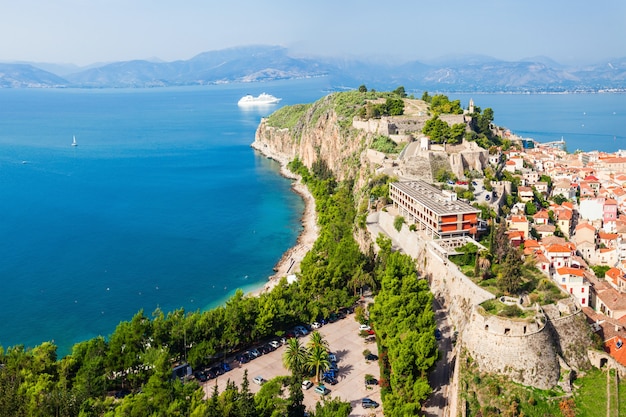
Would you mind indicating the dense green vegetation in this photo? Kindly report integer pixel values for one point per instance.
(501, 271)
(288, 116)
(384, 144)
(404, 322)
(493, 395)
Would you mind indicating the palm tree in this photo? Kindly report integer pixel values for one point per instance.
(360, 279)
(294, 357)
(317, 340)
(318, 359)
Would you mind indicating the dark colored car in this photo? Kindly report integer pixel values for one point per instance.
(371, 381)
(226, 367)
(217, 370)
(437, 334)
(200, 376)
(369, 403)
(329, 379)
(371, 357)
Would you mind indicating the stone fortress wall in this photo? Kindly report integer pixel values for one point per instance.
(530, 351)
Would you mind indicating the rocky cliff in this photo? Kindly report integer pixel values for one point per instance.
(317, 134)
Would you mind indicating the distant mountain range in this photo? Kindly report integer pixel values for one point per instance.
(266, 63)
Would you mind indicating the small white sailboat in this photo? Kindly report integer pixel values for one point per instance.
(74, 141)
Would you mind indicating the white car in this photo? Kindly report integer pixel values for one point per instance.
(259, 380)
(307, 384)
(365, 327)
(275, 344)
(315, 325)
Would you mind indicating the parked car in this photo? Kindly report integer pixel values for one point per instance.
(306, 384)
(371, 357)
(371, 381)
(200, 376)
(255, 353)
(329, 379)
(259, 380)
(316, 325)
(302, 330)
(368, 403)
(217, 370)
(275, 344)
(243, 358)
(364, 327)
(437, 334)
(332, 357)
(210, 374)
(226, 367)
(322, 390)
(331, 373)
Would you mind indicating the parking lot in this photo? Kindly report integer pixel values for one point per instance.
(344, 341)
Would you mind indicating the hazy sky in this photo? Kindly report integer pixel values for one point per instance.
(88, 31)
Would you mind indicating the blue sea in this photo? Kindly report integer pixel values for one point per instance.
(585, 121)
(164, 204)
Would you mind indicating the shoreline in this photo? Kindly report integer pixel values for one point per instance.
(289, 262)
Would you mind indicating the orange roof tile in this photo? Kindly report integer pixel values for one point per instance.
(531, 243)
(613, 274)
(618, 353)
(571, 271)
(558, 248)
(607, 236)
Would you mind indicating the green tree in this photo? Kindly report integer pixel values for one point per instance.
(317, 360)
(530, 208)
(333, 408)
(245, 402)
(317, 340)
(295, 406)
(509, 278)
(294, 357)
(362, 88)
(400, 91)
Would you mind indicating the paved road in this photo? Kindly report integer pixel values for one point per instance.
(344, 340)
(438, 403)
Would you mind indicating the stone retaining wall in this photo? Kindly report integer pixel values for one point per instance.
(526, 350)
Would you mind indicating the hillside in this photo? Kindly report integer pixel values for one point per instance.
(266, 63)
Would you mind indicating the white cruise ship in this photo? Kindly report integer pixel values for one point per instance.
(260, 100)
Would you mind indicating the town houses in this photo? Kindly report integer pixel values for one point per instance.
(570, 218)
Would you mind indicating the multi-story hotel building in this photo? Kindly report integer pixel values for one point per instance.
(436, 211)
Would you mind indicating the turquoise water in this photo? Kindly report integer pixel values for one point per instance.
(164, 204)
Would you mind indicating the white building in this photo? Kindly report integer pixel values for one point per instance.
(591, 209)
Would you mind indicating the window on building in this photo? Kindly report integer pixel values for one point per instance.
(583, 301)
(582, 289)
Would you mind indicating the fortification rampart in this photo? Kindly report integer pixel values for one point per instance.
(521, 349)
(529, 351)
